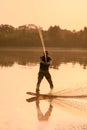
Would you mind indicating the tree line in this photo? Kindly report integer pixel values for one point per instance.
(25, 36)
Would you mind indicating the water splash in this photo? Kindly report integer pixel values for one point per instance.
(72, 91)
(76, 103)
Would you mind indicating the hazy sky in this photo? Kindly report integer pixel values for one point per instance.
(68, 14)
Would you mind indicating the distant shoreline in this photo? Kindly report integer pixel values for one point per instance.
(50, 49)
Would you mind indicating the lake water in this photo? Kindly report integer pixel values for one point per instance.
(56, 114)
(18, 75)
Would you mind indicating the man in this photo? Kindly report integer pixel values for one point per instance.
(45, 62)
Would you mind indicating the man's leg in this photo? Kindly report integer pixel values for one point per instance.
(40, 77)
(48, 77)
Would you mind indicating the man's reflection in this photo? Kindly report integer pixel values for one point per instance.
(41, 116)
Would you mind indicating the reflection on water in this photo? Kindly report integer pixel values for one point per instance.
(73, 106)
(40, 113)
(25, 56)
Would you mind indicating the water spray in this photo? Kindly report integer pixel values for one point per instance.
(41, 37)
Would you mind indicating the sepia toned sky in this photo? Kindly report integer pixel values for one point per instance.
(68, 14)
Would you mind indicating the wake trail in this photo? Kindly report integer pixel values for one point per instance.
(76, 100)
(74, 106)
(79, 92)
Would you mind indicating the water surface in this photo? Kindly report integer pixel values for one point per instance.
(57, 114)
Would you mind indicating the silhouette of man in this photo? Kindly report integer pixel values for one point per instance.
(45, 62)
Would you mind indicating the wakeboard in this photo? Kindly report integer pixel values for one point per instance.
(55, 96)
(43, 95)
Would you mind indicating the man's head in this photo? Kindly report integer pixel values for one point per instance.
(46, 53)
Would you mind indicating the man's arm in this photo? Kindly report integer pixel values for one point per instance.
(44, 62)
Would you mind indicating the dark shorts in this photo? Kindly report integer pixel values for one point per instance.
(44, 74)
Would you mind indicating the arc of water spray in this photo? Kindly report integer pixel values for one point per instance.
(41, 37)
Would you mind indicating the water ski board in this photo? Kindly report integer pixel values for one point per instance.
(56, 96)
(44, 95)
